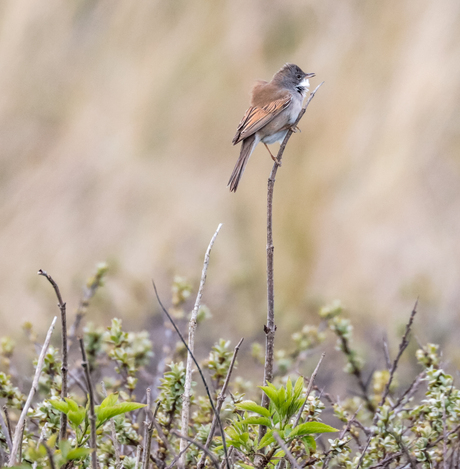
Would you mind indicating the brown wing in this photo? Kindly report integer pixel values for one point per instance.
(256, 117)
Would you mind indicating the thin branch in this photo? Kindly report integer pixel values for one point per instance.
(409, 392)
(224, 444)
(402, 346)
(116, 444)
(230, 454)
(64, 367)
(138, 456)
(356, 372)
(173, 462)
(92, 415)
(148, 429)
(309, 388)
(22, 437)
(17, 440)
(90, 290)
(286, 450)
(197, 443)
(8, 421)
(191, 343)
(270, 327)
(6, 432)
(386, 352)
(220, 401)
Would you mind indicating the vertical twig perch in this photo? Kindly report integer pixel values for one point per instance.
(92, 415)
(191, 342)
(64, 367)
(270, 327)
(17, 440)
(148, 428)
(6, 433)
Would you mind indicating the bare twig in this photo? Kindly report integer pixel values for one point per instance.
(286, 450)
(386, 352)
(64, 367)
(270, 327)
(138, 456)
(220, 401)
(197, 443)
(6, 431)
(78, 381)
(22, 437)
(356, 372)
(444, 436)
(90, 290)
(231, 450)
(173, 462)
(17, 440)
(402, 346)
(116, 444)
(191, 343)
(148, 429)
(8, 421)
(92, 415)
(410, 391)
(309, 388)
(404, 343)
(224, 444)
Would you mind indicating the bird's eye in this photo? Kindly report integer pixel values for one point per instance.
(299, 76)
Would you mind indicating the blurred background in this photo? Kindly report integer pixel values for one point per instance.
(116, 121)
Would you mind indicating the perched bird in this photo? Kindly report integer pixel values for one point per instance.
(275, 106)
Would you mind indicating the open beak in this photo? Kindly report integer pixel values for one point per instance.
(309, 75)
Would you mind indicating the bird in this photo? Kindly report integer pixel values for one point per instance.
(275, 106)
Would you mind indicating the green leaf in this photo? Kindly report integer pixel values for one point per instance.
(298, 388)
(60, 405)
(289, 388)
(246, 466)
(78, 453)
(109, 412)
(311, 427)
(266, 440)
(76, 418)
(72, 404)
(258, 421)
(110, 400)
(272, 393)
(253, 407)
(309, 443)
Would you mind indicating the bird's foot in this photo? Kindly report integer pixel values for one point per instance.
(295, 129)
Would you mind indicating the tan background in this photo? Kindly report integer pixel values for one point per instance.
(116, 120)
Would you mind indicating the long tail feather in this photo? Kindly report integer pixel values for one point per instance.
(247, 147)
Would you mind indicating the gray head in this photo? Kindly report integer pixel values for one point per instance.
(291, 76)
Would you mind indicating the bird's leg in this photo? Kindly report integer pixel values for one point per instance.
(295, 129)
(273, 157)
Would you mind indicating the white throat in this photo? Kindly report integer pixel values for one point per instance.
(305, 83)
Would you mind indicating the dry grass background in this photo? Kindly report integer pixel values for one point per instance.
(116, 120)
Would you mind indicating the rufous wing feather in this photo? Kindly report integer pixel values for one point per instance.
(256, 117)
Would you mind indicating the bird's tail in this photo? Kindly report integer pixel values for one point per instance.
(247, 147)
